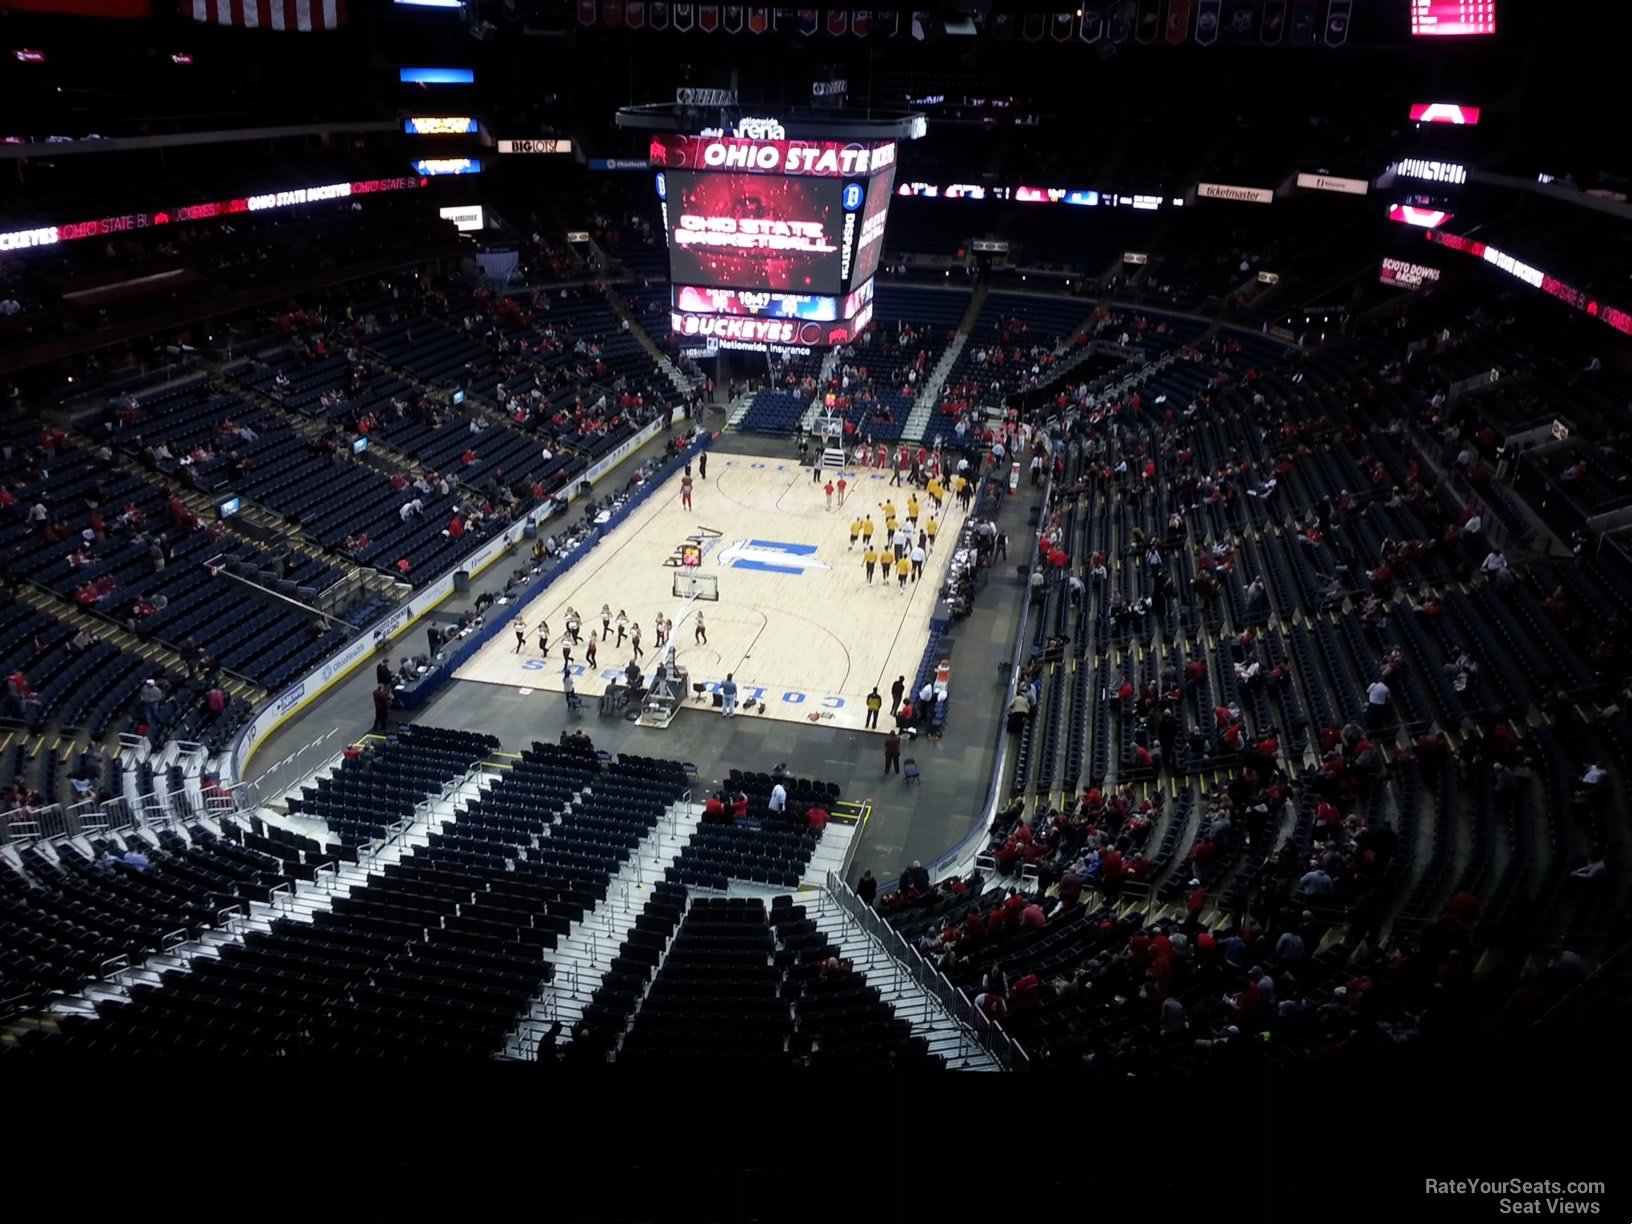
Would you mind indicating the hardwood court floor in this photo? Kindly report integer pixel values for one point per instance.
(796, 622)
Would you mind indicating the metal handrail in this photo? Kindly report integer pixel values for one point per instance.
(951, 863)
(988, 1033)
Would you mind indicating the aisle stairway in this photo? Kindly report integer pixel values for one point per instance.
(930, 1020)
(929, 392)
(738, 408)
(683, 386)
(582, 958)
(824, 379)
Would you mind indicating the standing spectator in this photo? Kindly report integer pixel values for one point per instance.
(728, 696)
(1377, 699)
(152, 698)
(892, 753)
(867, 887)
(382, 707)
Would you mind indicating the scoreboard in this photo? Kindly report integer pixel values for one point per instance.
(1452, 18)
(772, 242)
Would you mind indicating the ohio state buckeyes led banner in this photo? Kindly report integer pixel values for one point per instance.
(823, 158)
(50, 235)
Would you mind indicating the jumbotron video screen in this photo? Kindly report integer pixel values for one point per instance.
(755, 231)
(771, 228)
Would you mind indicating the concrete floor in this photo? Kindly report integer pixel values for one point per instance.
(918, 821)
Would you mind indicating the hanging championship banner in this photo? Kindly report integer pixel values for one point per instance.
(861, 22)
(733, 19)
(809, 21)
(634, 14)
(1207, 16)
(660, 14)
(759, 20)
(837, 22)
(588, 12)
(612, 14)
(888, 24)
(1123, 18)
(1032, 27)
(1273, 23)
(1240, 22)
(708, 18)
(1063, 26)
(1303, 23)
(1093, 23)
(1274, 26)
(1178, 21)
(682, 16)
(1149, 26)
(1337, 22)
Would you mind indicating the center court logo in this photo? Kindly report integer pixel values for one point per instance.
(772, 557)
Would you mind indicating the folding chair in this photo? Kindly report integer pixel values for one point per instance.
(909, 770)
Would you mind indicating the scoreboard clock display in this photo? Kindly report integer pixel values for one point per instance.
(1452, 18)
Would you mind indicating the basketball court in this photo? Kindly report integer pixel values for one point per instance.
(783, 600)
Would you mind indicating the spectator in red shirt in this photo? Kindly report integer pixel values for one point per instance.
(1026, 993)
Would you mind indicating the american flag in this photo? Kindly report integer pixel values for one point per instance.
(303, 15)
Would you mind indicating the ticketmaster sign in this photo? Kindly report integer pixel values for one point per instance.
(1246, 195)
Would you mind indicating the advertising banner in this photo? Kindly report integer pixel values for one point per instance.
(1403, 274)
(1247, 195)
(821, 158)
(535, 146)
(1330, 182)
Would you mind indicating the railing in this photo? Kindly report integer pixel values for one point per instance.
(218, 568)
(855, 840)
(988, 1033)
(252, 790)
(949, 863)
(344, 590)
(105, 625)
(1433, 457)
(115, 815)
